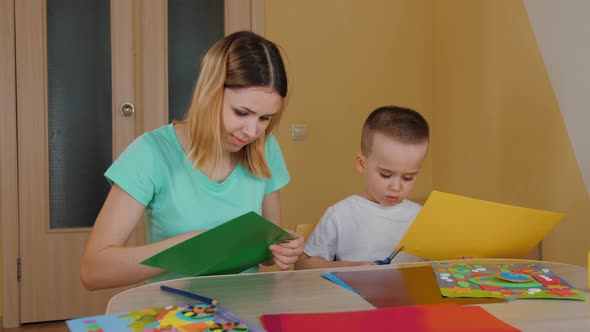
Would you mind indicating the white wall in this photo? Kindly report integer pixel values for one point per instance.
(562, 29)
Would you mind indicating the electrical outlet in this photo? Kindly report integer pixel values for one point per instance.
(298, 132)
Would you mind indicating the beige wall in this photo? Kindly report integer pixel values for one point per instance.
(474, 69)
(498, 131)
(345, 58)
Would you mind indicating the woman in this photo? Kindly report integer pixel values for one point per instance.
(187, 177)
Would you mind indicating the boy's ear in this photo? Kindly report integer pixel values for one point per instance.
(361, 163)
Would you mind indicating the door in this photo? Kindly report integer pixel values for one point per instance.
(89, 79)
(61, 149)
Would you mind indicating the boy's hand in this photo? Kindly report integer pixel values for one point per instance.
(286, 254)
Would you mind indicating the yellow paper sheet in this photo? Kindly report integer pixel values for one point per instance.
(452, 226)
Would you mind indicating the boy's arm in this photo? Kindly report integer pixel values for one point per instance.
(306, 262)
(322, 244)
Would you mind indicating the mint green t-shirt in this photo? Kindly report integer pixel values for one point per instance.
(179, 198)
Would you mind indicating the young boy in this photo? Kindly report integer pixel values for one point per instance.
(367, 227)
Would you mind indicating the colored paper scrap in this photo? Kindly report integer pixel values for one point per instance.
(419, 318)
(229, 248)
(401, 286)
(333, 278)
(452, 226)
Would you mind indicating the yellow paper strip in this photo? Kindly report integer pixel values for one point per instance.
(452, 226)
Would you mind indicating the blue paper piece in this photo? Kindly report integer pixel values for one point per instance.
(333, 278)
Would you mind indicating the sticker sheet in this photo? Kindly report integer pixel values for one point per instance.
(529, 281)
(175, 318)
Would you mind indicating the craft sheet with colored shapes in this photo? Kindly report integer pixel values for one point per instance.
(417, 318)
(181, 318)
(229, 248)
(452, 226)
(502, 280)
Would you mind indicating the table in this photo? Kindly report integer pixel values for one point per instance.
(251, 295)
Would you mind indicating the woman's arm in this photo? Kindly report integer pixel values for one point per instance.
(107, 262)
(285, 254)
(271, 207)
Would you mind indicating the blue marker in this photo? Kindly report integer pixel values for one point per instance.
(189, 295)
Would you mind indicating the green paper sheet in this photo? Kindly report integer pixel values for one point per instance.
(228, 248)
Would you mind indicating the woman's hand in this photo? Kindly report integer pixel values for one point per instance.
(286, 254)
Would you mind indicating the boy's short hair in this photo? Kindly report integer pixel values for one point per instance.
(402, 124)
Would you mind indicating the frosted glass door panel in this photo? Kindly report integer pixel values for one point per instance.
(79, 109)
(193, 26)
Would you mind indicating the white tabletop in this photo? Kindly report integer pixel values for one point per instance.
(251, 295)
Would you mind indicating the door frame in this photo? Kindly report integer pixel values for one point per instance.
(9, 212)
(8, 166)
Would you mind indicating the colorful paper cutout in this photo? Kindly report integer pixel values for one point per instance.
(180, 318)
(503, 280)
(452, 226)
(398, 287)
(419, 318)
(229, 248)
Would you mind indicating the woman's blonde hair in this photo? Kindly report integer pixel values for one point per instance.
(240, 60)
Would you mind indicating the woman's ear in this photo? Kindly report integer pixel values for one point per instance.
(361, 163)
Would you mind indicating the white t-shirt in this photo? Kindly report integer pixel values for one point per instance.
(358, 230)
